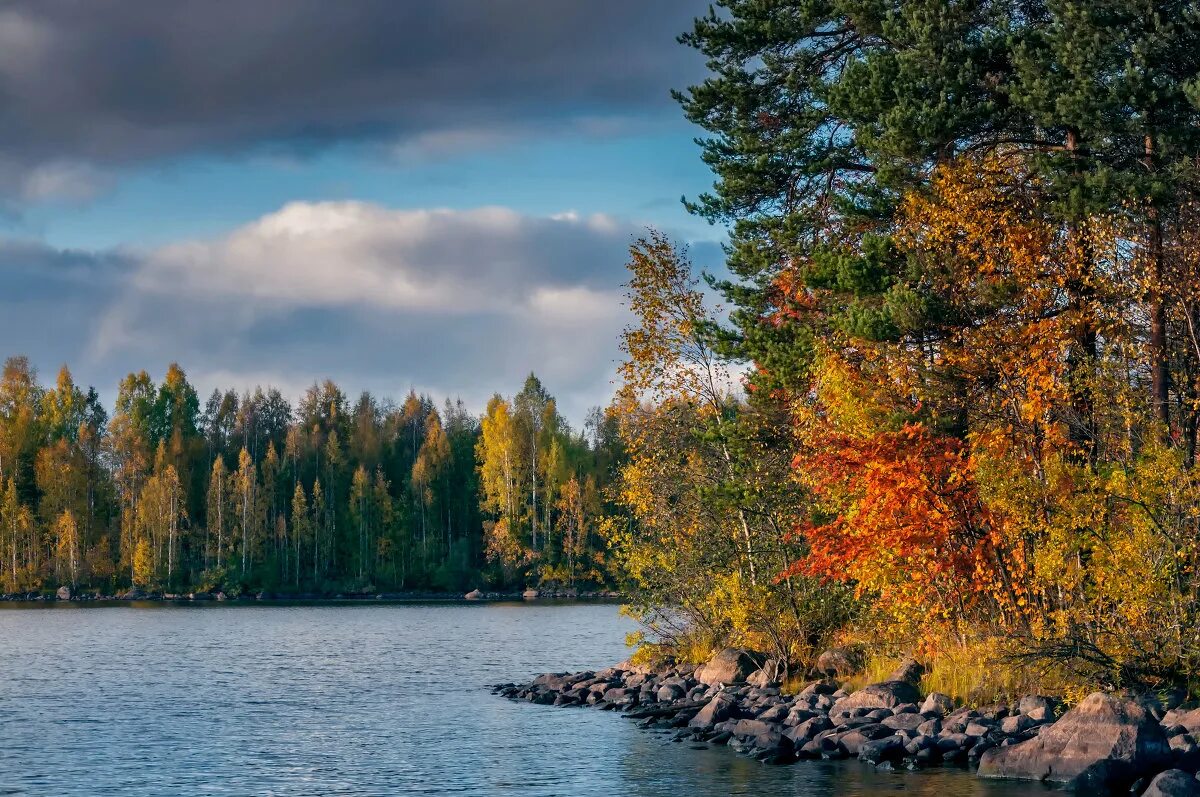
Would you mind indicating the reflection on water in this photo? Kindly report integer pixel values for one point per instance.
(355, 700)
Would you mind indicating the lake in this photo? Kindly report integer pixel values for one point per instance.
(358, 700)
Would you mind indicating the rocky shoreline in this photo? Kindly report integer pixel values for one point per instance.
(65, 594)
(1107, 744)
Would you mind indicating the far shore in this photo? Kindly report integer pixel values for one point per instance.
(16, 600)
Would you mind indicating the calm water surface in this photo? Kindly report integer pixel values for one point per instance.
(351, 700)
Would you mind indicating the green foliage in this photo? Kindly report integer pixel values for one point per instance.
(250, 495)
(964, 267)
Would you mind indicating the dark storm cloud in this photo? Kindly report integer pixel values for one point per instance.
(109, 82)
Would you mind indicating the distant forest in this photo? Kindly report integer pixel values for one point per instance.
(249, 493)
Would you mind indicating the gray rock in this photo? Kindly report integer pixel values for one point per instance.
(953, 741)
(853, 740)
(755, 729)
(799, 715)
(1016, 723)
(818, 688)
(839, 662)
(776, 713)
(809, 728)
(1041, 714)
(1031, 703)
(883, 695)
(919, 743)
(907, 722)
(937, 703)
(668, 693)
(621, 696)
(889, 748)
(1189, 719)
(63, 593)
(718, 709)
(1102, 741)
(930, 727)
(1173, 783)
(731, 666)
(977, 729)
(811, 749)
(773, 671)
(909, 671)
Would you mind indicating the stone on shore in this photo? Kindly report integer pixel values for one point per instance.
(1101, 743)
(730, 666)
(889, 748)
(937, 703)
(839, 662)
(888, 694)
(909, 671)
(529, 594)
(1173, 783)
(718, 709)
(474, 595)
(1189, 719)
(63, 593)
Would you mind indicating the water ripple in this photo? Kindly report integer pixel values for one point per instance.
(357, 700)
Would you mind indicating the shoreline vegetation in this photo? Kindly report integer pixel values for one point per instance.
(63, 595)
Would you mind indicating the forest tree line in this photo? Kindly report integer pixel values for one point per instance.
(965, 282)
(249, 493)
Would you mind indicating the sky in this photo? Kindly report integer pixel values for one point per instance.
(394, 194)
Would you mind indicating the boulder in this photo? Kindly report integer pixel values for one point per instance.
(669, 693)
(977, 729)
(1189, 719)
(808, 729)
(1041, 714)
(817, 689)
(716, 710)
(889, 748)
(777, 713)
(474, 595)
(937, 703)
(754, 728)
(909, 671)
(731, 666)
(63, 593)
(904, 722)
(773, 671)
(1016, 724)
(555, 681)
(888, 694)
(931, 727)
(1173, 783)
(529, 594)
(1031, 703)
(949, 742)
(620, 696)
(839, 662)
(1101, 743)
(853, 740)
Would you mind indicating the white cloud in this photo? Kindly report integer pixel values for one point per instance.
(486, 260)
(456, 302)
